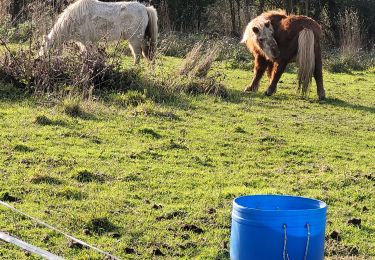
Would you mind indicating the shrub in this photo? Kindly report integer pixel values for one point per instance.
(341, 63)
(19, 34)
(209, 85)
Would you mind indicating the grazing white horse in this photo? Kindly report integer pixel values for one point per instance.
(88, 21)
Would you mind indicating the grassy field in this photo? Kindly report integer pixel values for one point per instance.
(157, 179)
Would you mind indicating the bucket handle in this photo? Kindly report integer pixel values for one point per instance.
(285, 253)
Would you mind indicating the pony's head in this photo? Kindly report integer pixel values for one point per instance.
(260, 31)
(148, 49)
(45, 45)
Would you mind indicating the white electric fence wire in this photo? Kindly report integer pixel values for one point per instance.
(59, 231)
(30, 248)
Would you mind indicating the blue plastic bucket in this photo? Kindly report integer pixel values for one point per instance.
(275, 227)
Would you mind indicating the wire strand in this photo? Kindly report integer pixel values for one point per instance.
(58, 231)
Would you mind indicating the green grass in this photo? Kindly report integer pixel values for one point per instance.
(134, 175)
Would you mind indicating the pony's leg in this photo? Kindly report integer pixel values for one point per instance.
(136, 48)
(270, 70)
(278, 69)
(318, 74)
(260, 67)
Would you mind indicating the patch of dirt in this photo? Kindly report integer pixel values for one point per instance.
(129, 251)
(86, 231)
(335, 235)
(157, 252)
(87, 176)
(188, 245)
(74, 244)
(157, 206)
(334, 248)
(355, 222)
(211, 211)
(46, 238)
(5, 196)
(193, 228)
(114, 234)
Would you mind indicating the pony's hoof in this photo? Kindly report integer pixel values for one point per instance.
(268, 93)
(322, 96)
(250, 89)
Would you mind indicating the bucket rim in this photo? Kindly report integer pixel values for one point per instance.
(239, 207)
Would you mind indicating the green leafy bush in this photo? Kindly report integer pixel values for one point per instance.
(340, 63)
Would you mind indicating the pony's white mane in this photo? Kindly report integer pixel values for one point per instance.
(64, 23)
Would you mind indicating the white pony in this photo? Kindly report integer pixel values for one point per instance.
(88, 21)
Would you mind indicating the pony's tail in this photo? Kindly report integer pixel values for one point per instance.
(305, 60)
(152, 28)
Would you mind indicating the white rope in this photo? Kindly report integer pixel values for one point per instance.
(308, 241)
(285, 254)
(30, 248)
(139, 26)
(59, 231)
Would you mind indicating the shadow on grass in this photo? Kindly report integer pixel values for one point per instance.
(341, 103)
(237, 96)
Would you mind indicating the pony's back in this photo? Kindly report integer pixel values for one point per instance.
(293, 24)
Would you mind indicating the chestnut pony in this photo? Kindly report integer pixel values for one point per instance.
(275, 39)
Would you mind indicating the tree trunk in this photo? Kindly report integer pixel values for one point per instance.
(307, 7)
(199, 21)
(291, 6)
(332, 11)
(247, 10)
(286, 6)
(164, 18)
(232, 16)
(261, 7)
(239, 14)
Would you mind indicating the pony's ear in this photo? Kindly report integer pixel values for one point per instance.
(256, 30)
(267, 24)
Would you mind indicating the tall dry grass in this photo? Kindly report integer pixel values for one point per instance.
(207, 61)
(191, 60)
(352, 32)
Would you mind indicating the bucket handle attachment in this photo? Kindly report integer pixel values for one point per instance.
(285, 253)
